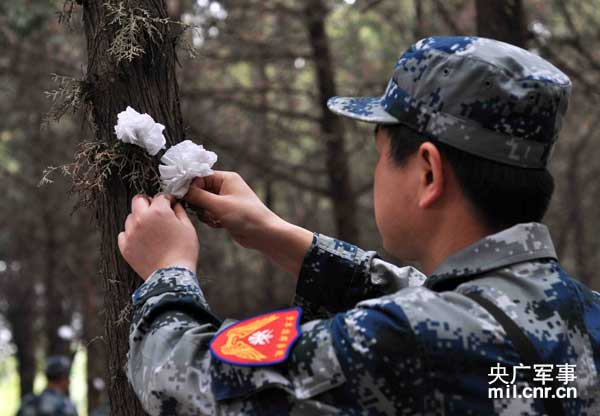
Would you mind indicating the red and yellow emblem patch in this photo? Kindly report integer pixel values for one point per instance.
(261, 340)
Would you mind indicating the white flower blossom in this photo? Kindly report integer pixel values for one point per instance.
(182, 163)
(140, 129)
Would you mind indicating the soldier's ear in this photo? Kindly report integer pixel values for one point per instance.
(432, 175)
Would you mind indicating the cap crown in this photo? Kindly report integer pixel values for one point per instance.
(480, 95)
(57, 365)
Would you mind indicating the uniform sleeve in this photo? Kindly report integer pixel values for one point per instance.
(334, 365)
(336, 275)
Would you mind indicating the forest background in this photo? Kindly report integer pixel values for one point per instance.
(253, 79)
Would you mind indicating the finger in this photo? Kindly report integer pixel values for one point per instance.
(139, 203)
(163, 202)
(121, 242)
(212, 183)
(200, 182)
(201, 198)
(181, 214)
(171, 198)
(129, 222)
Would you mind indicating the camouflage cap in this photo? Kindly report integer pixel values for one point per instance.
(58, 366)
(483, 96)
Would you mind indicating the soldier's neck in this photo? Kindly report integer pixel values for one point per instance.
(452, 235)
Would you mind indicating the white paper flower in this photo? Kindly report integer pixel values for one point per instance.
(140, 129)
(182, 163)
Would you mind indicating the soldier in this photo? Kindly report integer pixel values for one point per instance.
(464, 133)
(54, 400)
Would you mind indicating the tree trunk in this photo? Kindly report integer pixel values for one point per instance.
(20, 316)
(268, 283)
(96, 374)
(576, 218)
(578, 221)
(54, 312)
(419, 25)
(148, 84)
(340, 187)
(503, 20)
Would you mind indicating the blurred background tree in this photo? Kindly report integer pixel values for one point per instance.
(253, 77)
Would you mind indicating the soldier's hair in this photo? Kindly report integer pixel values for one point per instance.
(502, 195)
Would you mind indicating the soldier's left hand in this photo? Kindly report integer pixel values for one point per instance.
(158, 235)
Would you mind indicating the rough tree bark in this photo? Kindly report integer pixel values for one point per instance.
(340, 186)
(504, 20)
(148, 84)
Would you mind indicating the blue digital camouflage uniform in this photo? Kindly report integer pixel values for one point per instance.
(49, 403)
(377, 339)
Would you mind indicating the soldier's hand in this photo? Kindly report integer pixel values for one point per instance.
(225, 200)
(158, 235)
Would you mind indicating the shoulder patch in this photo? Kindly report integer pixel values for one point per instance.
(261, 340)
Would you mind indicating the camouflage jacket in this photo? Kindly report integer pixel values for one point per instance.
(49, 403)
(378, 339)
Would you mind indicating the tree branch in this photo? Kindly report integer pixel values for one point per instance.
(447, 16)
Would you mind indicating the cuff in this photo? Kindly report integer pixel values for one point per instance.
(172, 279)
(171, 289)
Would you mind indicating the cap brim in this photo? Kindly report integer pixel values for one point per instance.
(368, 109)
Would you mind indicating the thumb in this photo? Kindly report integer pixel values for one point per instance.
(121, 241)
(181, 214)
(203, 199)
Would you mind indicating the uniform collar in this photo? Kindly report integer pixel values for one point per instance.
(523, 242)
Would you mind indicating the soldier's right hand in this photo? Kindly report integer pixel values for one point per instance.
(225, 200)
